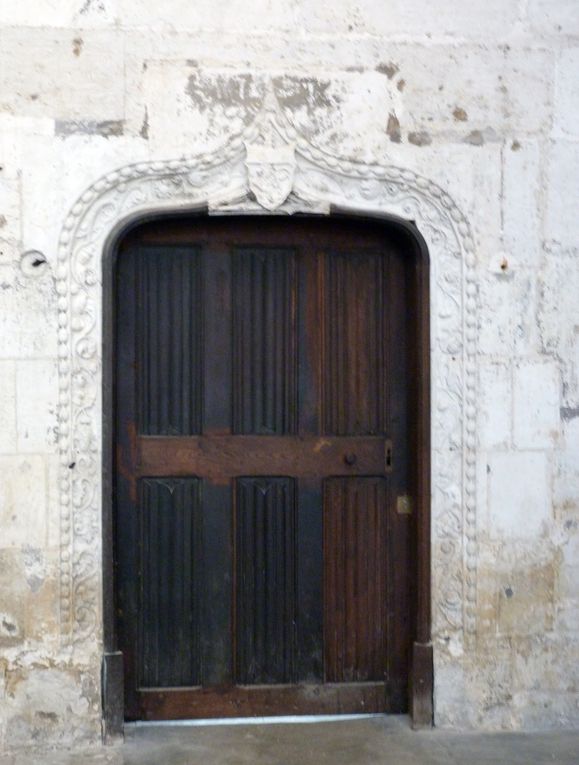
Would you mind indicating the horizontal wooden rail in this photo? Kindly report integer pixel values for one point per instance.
(224, 457)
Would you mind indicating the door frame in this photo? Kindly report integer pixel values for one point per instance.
(421, 674)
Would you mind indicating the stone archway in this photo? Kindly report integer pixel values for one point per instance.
(268, 168)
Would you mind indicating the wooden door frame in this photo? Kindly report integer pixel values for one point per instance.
(421, 675)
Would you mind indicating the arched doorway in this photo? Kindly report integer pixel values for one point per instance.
(272, 467)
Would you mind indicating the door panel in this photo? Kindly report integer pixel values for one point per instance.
(355, 375)
(171, 569)
(169, 333)
(265, 585)
(264, 342)
(261, 377)
(355, 575)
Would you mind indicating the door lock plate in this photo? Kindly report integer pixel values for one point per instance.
(404, 504)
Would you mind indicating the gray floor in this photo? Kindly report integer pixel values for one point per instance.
(376, 741)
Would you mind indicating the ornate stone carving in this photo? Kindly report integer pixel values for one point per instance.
(269, 161)
(270, 158)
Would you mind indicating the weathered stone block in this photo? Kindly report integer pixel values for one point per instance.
(567, 93)
(56, 73)
(562, 222)
(29, 582)
(495, 407)
(37, 402)
(566, 473)
(526, 599)
(536, 404)
(519, 494)
(27, 315)
(558, 18)
(59, 13)
(521, 200)
(22, 501)
(507, 326)
(446, 18)
(8, 433)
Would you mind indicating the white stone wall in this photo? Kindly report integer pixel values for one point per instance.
(480, 96)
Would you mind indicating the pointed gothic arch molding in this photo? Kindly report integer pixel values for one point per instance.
(268, 169)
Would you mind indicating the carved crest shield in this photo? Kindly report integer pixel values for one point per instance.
(270, 173)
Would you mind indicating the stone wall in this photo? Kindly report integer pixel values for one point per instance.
(481, 97)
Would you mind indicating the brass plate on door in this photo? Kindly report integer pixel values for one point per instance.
(404, 504)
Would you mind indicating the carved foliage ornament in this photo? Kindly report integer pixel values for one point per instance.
(270, 167)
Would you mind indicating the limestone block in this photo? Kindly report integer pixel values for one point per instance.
(495, 405)
(559, 18)
(51, 183)
(519, 495)
(29, 582)
(528, 87)
(27, 315)
(507, 326)
(37, 401)
(189, 108)
(390, 17)
(9, 208)
(562, 221)
(22, 501)
(54, 701)
(546, 663)
(7, 407)
(467, 20)
(536, 404)
(568, 582)
(567, 93)
(451, 690)
(531, 710)
(232, 15)
(567, 619)
(521, 200)
(49, 72)
(558, 318)
(526, 599)
(470, 93)
(41, 13)
(566, 478)
(58, 13)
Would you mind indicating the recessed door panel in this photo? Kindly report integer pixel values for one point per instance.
(262, 427)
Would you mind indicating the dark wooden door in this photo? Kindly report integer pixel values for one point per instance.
(262, 377)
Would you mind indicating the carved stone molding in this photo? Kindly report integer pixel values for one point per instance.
(268, 168)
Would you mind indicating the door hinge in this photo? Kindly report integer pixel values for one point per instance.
(404, 504)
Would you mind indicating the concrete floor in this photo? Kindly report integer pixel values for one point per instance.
(375, 741)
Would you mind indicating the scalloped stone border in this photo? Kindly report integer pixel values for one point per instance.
(220, 181)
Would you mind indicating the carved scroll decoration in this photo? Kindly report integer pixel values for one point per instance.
(268, 168)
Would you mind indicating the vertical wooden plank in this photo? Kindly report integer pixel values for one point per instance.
(217, 588)
(216, 584)
(124, 484)
(355, 379)
(400, 570)
(310, 318)
(309, 584)
(355, 523)
(309, 534)
(170, 582)
(265, 579)
(217, 349)
(169, 335)
(264, 359)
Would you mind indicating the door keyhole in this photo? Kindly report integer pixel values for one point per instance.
(350, 458)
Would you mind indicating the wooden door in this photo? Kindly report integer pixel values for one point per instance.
(262, 566)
